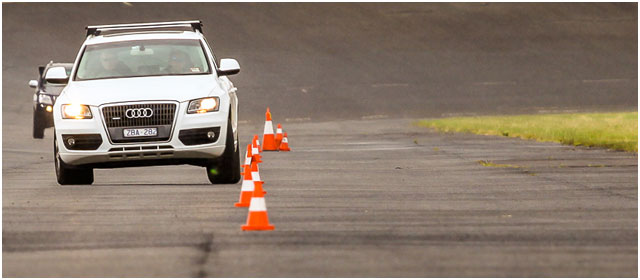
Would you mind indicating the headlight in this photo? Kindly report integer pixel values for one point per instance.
(203, 105)
(75, 111)
(45, 99)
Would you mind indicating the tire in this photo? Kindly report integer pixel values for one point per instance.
(226, 169)
(38, 125)
(68, 175)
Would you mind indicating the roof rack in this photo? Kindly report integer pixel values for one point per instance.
(96, 29)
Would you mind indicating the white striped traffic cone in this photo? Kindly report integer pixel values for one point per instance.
(258, 218)
(268, 139)
(247, 189)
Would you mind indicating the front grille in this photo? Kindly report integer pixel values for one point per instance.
(163, 114)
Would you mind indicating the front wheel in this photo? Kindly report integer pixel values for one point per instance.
(68, 175)
(226, 169)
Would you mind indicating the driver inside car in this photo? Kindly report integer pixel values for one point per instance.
(179, 63)
(111, 66)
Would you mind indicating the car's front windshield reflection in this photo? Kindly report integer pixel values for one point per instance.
(142, 58)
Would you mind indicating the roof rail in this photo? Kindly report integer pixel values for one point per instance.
(96, 29)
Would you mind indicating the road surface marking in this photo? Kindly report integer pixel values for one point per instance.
(363, 143)
(390, 85)
(374, 117)
(356, 150)
(24, 151)
(495, 83)
(297, 119)
(604, 81)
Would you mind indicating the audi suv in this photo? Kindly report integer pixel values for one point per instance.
(146, 94)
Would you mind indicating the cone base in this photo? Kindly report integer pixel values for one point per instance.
(245, 199)
(258, 221)
(267, 227)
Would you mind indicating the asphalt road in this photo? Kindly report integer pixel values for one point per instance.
(364, 192)
(354, 198)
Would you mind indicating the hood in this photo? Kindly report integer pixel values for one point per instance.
(178, 88)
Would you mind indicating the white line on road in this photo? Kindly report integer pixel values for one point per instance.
(364, 143)
(374, 117)
(496, 83)
(390, 85)
(605, 81)
(24, 151)
(357, 150)
(297, 119)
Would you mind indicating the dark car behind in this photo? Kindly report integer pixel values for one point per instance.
(44, 97)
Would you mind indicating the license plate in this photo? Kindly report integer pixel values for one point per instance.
(140, 132)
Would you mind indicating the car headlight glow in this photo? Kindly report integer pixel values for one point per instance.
(76, 111)
(203, 105)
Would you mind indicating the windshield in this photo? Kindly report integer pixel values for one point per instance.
(142, 58)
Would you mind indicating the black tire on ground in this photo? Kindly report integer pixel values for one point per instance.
(68, 175)
(226, 169)
(38, 124)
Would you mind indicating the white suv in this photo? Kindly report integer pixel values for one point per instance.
(146, 94)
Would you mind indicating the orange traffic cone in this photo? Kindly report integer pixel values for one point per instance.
(256, 142)
(246, 192)
(255, 150)
(257, 218)
(278, 135)
(255, 175)
(248, 157)
(284, 146)
(255, 172)
(268, 139)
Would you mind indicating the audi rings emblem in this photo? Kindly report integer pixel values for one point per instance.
(137, 113)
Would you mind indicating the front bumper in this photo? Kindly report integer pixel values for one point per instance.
(171, 151)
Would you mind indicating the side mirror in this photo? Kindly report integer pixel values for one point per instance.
(33, 84)
(228, 66)
(57, 75)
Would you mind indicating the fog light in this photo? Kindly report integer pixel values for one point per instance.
(71, 141)
(211, 134)
(49, 109)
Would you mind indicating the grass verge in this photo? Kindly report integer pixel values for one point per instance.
(618, 131)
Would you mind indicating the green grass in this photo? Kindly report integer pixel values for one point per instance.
(618, 131)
